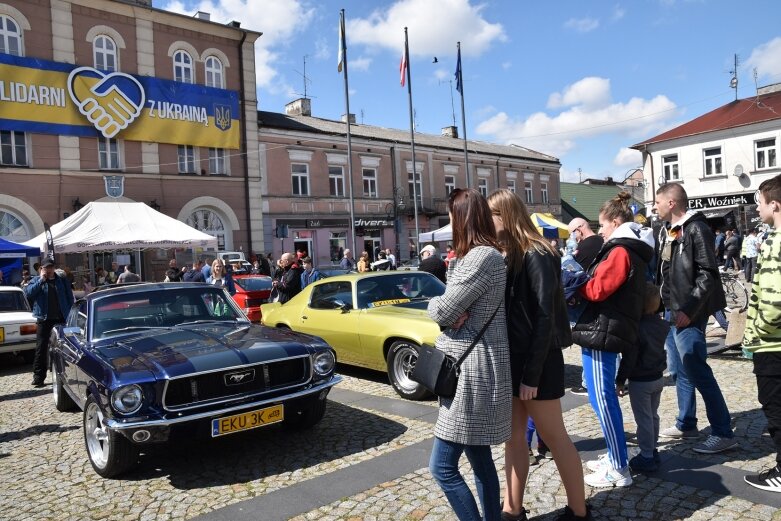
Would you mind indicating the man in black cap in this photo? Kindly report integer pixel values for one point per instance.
(52, 299)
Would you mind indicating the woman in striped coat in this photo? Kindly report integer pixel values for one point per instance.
(479, 414)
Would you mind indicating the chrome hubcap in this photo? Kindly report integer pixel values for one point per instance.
(96, 435)
(403, 365)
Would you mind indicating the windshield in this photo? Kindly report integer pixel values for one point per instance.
(13, 301)
(254, 283)
(398, 288)
(127, 312)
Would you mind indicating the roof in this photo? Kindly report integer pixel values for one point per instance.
(738, 113)
(587, 199)
(339, 128)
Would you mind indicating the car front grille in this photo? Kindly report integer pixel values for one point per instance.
(219, 386)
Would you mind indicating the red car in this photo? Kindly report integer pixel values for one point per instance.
(251, 292)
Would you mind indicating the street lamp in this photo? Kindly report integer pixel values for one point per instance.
(393, 209)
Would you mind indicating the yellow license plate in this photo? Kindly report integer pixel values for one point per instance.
(2, 335)
(248, 420)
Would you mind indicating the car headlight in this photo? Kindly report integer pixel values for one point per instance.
(323, 362)
(127, 399)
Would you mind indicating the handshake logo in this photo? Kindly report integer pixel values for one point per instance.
(111, 101)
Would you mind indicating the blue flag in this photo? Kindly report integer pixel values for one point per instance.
(459, 79)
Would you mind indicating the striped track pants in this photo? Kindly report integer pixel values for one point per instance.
(599, 369)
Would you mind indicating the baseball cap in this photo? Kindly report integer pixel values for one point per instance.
(47, 263)
(431, 249)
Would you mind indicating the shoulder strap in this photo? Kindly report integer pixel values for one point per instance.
(478, 337)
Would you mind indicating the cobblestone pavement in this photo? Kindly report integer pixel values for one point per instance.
(44, 472)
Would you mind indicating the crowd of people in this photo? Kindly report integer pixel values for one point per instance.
(636, 302)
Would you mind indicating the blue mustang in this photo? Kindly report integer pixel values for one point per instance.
(144, 360)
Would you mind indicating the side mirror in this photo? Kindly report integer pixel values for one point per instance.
(71, 331)
(344, 306)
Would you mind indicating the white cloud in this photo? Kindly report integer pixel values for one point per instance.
(628, 157)
(361, 63)
(591, 92)
(582, 25)
(767, 59)
(322, 50)
(286, 20)
(506, 65)
(434, 28)
(442, 74)
(588, 114)
(571, 176)
(618, 13)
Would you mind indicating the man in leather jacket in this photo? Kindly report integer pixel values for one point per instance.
(691, 291)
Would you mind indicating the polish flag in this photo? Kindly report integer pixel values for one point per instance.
(403, 68)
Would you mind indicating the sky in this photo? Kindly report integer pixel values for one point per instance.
(581, 81)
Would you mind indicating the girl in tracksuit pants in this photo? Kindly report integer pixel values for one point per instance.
(609, 325)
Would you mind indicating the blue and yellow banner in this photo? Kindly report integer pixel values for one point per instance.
(60, 98)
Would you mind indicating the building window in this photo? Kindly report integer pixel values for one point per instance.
(450, 184)
(766, 153)
(10, 37)
(186, 159)
(214, 75)
(108, 153)
(13, 148)
(482, 185)
(511, 185)
(218, 164)
(544, 193)
(208, 222)
(417, 186)
(105, 51)
(527, 188)
(369, 182)
(300, 179)
(183, 67)
(712, 158)
(670, 167)
(12, 228)
(336, 181)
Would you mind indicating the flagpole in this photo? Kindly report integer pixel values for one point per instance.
(460, 81)
(412, 142)
(343, 66)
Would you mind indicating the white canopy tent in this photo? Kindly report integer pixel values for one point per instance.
(106, 226)
(443, 234)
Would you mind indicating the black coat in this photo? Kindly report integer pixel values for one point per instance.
(435, 266)
(690, 281)
(611, 325)
(290, 283)
(537, 318)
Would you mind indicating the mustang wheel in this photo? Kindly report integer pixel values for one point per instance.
(401, 361)
(62, 400)
(309, 417)
(109, 452)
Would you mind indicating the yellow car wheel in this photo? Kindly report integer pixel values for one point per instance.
(402, 356)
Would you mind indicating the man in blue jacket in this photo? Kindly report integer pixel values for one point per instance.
(52, 299)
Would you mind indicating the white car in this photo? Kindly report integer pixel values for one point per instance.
(17, 324)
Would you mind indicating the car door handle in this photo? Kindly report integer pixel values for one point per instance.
(304, 317)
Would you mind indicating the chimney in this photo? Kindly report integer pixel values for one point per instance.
(609, 180)
(299, 107)
(767, 89)
(450, 131)
(351, 116)
(202, 15)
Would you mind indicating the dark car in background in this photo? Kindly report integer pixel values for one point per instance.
(146, 360)
(251, 292)
(332, 270)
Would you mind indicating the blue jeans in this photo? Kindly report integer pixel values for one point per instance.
(444, 468)
(688, 365)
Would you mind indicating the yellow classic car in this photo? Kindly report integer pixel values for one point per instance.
(374, 320)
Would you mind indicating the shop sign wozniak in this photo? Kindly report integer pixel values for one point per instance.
(721, 201)
(59, 98)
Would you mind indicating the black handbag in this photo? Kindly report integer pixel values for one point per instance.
(439, 372)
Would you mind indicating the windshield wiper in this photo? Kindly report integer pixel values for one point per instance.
(207, 321)
(131, 328)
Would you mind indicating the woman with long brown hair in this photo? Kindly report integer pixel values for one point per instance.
(478, 416)
(537, 330)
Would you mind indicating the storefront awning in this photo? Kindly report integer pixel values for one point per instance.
(716, 213)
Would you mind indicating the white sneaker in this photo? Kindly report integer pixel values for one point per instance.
(598, 464)
(609, 477)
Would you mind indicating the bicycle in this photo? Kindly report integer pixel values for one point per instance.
(735, 291)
